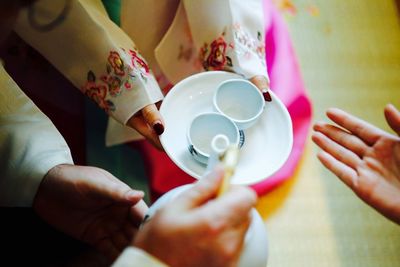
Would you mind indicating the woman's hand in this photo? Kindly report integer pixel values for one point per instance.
(262, 83)
(149, 123)
(364, 157)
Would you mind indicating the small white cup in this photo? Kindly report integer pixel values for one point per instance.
(239, 100)
(204, 128)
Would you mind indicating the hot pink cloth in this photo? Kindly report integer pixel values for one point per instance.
(286, 82)
(288, 85)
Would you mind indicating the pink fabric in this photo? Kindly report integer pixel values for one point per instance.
(286, 82)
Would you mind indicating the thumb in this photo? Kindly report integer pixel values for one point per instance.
(202, 191)
(392, 116)
(113, 189)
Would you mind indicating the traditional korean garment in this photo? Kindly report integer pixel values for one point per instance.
(159, 43)
(176, 39)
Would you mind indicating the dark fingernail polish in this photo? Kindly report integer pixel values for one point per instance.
(267, 96)
(158, 128)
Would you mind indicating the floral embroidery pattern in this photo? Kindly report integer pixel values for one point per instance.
(98, 93)
(139, 63)
(249, 44)
(116, 63)
(119, 76)
(214, 55)
(114, 84)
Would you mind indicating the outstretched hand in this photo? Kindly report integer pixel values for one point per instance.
(91, 205)
(364, 157)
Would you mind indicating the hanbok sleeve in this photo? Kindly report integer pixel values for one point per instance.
(229, 35)
(30, 145)
(93, 53)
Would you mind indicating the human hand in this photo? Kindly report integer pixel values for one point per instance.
(149, 123)
(91, 205)
(364, 157)
(198, 229)
(262, 83)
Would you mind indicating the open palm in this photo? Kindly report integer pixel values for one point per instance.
(91, 205)
(364, 157)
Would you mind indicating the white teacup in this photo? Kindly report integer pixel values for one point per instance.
(204, 128)
(255, 248)
(239, 100)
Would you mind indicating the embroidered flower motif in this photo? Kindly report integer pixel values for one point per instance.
(216, 59)
(138, 62)
(120, 74)
(127, 85)
(248, 44)
(97, 92)
(114, 84)
(116, 63)
(214, 56)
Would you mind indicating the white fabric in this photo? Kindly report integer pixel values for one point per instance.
(30, 145)
(134, 257)
(83, 43)
(176, 37)
(173, 37)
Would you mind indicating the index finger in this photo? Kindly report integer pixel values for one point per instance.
(230, 209)
(202, 191)
(153, 118)
(364, 130)
(138, 123)
(262, 83)
(392, 116)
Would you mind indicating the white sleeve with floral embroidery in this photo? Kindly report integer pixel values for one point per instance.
(101, 60)
(229, 35)
(214, 35)
(95, 55)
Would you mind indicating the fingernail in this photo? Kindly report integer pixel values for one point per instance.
(267, 96)
(134, 194)
(317, 125)
(158, 128)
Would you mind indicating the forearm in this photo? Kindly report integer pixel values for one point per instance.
(30, 145)
(232, 37)
(95, 55)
